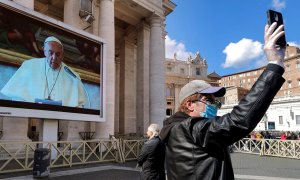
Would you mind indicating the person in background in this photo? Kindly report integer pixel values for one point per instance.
(267, 135)
(259, 136)
(197, 139)
(283, 136)
(152, 156)
(47, 80)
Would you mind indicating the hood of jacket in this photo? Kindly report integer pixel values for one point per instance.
(169, 123)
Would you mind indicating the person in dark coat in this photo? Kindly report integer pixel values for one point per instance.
(152, 156)
(197, 139)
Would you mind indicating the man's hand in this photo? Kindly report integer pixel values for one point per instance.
(274, 53)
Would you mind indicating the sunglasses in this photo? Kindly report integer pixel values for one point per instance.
(213, 102)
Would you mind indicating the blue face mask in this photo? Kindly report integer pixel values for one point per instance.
(210, 111)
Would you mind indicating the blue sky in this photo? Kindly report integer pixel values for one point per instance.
(228, 34)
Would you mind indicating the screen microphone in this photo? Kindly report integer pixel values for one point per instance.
(70, 72)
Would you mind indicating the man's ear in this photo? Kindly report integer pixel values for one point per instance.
(43, 47)
(189, 105)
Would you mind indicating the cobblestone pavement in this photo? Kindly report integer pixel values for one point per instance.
(246, 167)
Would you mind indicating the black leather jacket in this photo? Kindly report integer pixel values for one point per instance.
(197, 147)
(151, 159)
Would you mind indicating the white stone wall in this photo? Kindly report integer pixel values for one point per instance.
(288, 108)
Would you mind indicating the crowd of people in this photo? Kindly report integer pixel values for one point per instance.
(282, 135)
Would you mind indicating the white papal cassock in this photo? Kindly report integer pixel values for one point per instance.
(30, 82)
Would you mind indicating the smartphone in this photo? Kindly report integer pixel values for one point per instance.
(274, 16)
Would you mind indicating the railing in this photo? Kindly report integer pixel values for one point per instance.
(247, 145)
(269, 147)
(131, 149)
(18, 156)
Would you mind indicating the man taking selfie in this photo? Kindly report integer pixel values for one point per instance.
(197, 140)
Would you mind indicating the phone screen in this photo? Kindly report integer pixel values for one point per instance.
(274, 16)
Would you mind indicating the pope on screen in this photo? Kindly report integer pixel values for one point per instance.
(47, 80)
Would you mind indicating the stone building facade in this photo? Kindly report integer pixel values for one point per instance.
(180, 72)
(134, 34)
(284, 112)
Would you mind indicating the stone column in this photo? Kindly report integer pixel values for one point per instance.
(27, 3)
(71, 15)
(95, 26)
(71, 11)
(117, 97)
(71, 129)
(177, 90)
(157, 72)
(127, 111)
(15, 129)
(142, 90)
(107, 32)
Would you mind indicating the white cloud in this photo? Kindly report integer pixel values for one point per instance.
(261, 62)
(293, 43)
(243, 53)
(172, 46)
(278, 4)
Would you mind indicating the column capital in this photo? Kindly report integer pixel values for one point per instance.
(155, 20)
(142, 25)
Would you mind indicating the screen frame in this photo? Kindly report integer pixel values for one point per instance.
(44, 111)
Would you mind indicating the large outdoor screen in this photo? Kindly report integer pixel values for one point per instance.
(30, 86)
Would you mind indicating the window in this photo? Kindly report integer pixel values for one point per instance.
(280, 120)
(289, 84)
(168, 91)
(271, 125)
(288, 67)
(298, 65)
(168, 112)
(298, 119)
(198, 72)
(169, 69)
(181, 70)
(298, 82)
